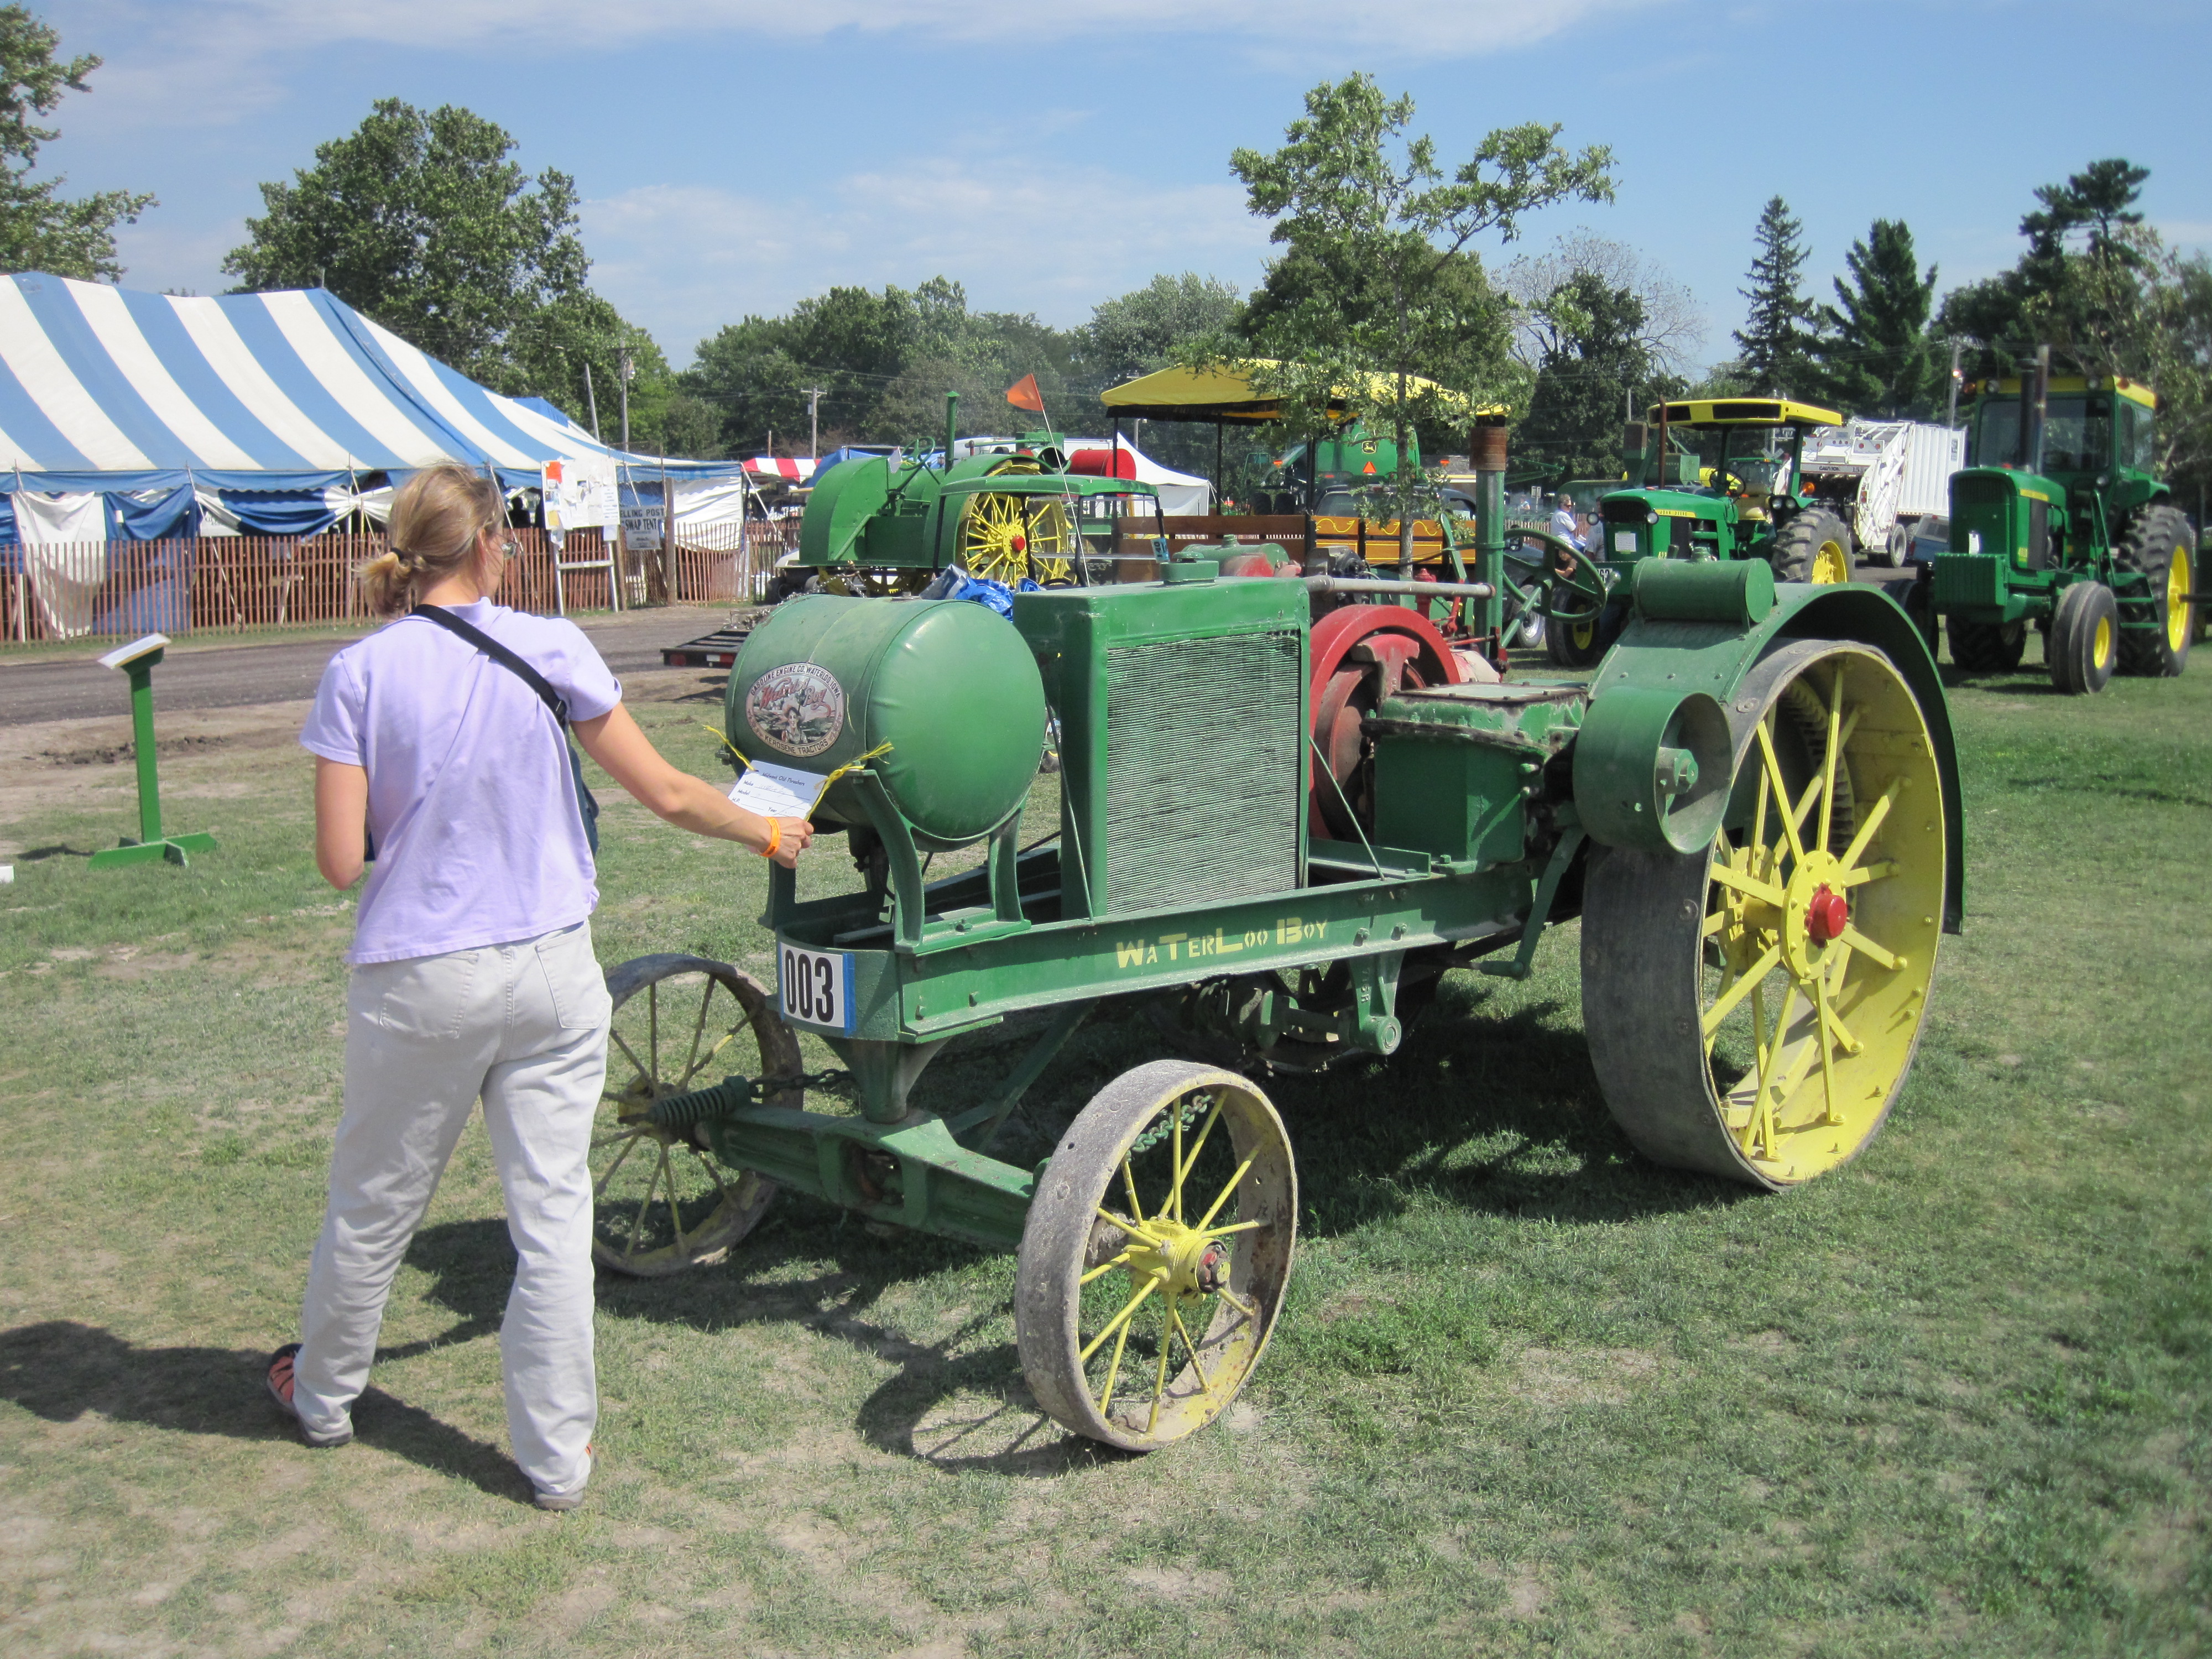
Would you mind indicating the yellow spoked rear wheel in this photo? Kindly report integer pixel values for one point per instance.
(1754, 1010)
(1155, 1255)
(1006, 538)
(661, 1202)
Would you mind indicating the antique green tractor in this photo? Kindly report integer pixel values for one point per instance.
(1746, 504)
(2061, 523)
(1753, 807)
(881, 524)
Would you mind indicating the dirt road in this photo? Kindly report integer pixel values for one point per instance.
(203, 674)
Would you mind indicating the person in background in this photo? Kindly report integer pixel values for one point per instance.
(1565, 526)
(473, 972)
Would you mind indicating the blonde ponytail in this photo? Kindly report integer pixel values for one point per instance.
(432, 534)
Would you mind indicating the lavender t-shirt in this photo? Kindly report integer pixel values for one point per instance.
(479, 837)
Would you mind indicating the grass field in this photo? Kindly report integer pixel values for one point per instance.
(1531, 1394)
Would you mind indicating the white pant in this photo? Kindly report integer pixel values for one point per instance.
(525, 1026)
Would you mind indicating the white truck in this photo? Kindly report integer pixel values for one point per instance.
(1889, 480)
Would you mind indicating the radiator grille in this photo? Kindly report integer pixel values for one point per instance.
(1968, 578)
(1205, 770)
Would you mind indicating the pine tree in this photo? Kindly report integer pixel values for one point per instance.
(1774, 337)
(1876, 353)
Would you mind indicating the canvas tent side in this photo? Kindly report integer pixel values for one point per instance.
(279, 410)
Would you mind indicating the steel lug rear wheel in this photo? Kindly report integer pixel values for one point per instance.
(1752, 1008)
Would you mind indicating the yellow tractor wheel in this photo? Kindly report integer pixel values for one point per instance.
(1006, 538)
(1753, 1008)
(1156, 1253)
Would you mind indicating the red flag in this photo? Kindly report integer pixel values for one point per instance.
(1023, 394)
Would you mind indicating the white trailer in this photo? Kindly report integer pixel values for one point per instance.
(1885, 477)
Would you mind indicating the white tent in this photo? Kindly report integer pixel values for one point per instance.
(1181, 493)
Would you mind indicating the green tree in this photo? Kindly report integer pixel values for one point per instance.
(419, 219)
(40, 229)
(1137, 332)
(1774, 339)
(2043, 298)
(1594, 364)
(1377, 273)
(1874, 352)
(882, 363)
(2099, 199)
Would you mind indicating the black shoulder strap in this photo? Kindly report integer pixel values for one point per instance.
(500, 654)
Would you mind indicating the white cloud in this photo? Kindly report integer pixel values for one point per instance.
(684, 260)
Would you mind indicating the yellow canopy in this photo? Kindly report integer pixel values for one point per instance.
(1224, 393)
(1747, 411)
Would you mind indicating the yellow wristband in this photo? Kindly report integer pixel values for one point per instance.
(774, 838)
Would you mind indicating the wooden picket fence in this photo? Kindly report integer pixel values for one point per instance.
(247, 584)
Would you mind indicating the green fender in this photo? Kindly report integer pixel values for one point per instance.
(1695, 631)
(851, 496)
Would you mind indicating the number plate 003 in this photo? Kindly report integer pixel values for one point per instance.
(818, 987)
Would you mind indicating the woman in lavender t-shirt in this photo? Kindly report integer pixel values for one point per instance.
(473, 974)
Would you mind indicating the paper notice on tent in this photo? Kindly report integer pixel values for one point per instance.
(776, 792)
(578, 493)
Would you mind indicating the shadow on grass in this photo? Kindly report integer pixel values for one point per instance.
(60, 1370)
(2022, 682)
(471, 1263)
(2103, 789)
(1495, 1114)
(36, 854)
(1501, 1115)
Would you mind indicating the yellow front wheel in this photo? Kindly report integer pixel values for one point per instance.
(1753, 1010)
(1155, 1255)
(1006, 538)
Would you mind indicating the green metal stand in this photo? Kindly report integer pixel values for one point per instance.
(151, 844)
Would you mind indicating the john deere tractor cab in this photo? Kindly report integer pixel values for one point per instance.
(1746, 503)
(2059, 523)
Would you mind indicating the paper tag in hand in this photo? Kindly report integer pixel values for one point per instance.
(776, 792)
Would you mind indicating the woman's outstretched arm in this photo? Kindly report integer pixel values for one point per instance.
(630, 758)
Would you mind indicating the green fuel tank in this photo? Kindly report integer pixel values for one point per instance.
(949, 686)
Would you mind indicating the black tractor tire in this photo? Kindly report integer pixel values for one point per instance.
(1583, 644)
(1987, 647)
(2083, 647)
(1815, 546)
(2158, 544)
(1920, 607)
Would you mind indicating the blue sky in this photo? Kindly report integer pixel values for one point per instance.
(735, 156)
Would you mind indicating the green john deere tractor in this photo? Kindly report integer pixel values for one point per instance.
(1746, 504)
(2059, 523)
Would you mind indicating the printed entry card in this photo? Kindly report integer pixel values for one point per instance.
(777, 792)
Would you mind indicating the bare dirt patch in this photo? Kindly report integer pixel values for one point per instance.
(1600, 1376)
(76, 762)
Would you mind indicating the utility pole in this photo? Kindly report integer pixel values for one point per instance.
(626, 365)
(1951, 414)
(813, 429)
(592, 400)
